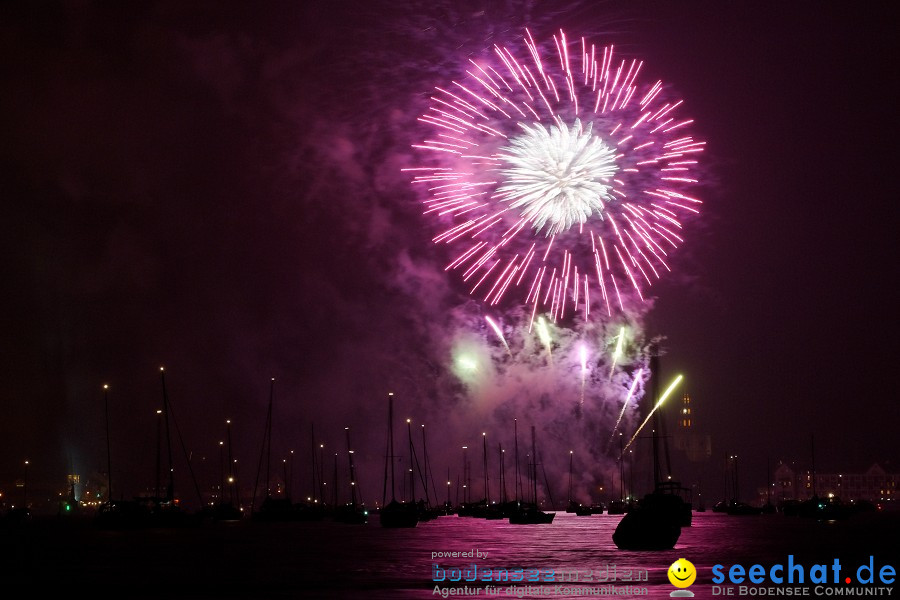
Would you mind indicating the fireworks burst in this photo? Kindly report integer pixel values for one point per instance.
(560, 175)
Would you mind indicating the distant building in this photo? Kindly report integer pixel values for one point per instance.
(73, 486)
(697, 447)
(685, 417)
(875, 485)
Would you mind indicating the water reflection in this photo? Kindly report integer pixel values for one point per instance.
(397, 563)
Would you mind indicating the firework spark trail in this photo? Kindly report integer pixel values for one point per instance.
(582, 351)
(617, 353)
(499, 333)
(662, 399)
(551, 162)
(637, 378)
(544, 335)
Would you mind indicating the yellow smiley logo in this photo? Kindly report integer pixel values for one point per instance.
(682, 573)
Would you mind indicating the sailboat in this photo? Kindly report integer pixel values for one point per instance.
(158, 510)
(272, 508)
(394, 513)
(506, 506)
(355, 512)
(429, 511)
(167, 511)
(226, 510)
(578, 508)
(655, 523)
(571, 505)
(114, 514)
(485, 509)
(531, 515)
(311, 509)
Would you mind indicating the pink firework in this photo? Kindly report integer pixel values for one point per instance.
(559, 175)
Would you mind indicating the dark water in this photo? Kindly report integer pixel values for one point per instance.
(329, 560)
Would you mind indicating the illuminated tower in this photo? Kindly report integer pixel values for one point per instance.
(686, 410)
(73, 480)
(696, 445)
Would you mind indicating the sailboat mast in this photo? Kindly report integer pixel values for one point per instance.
(391, 438)
(312, 455)
(108, 454)
(465, 475)
(725, 479)
(387, 454)
(269, 436)
(517, 483)
(487, 490)
(571, 456)
(289, 484)
(412, 474)
(187, 456)
(654, 377)
(170, 492)
(158, 450)
(425, 478)
(534, 467)
(335, 501)
(812, 443)
(502, 474)
(231, 493)
(352, 471)
(221, 471)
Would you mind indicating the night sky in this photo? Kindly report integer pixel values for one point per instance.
(218, 190)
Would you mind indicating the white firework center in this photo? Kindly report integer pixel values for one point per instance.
(559, 176)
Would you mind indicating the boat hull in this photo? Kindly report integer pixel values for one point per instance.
(531, 517)
(396, 515)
